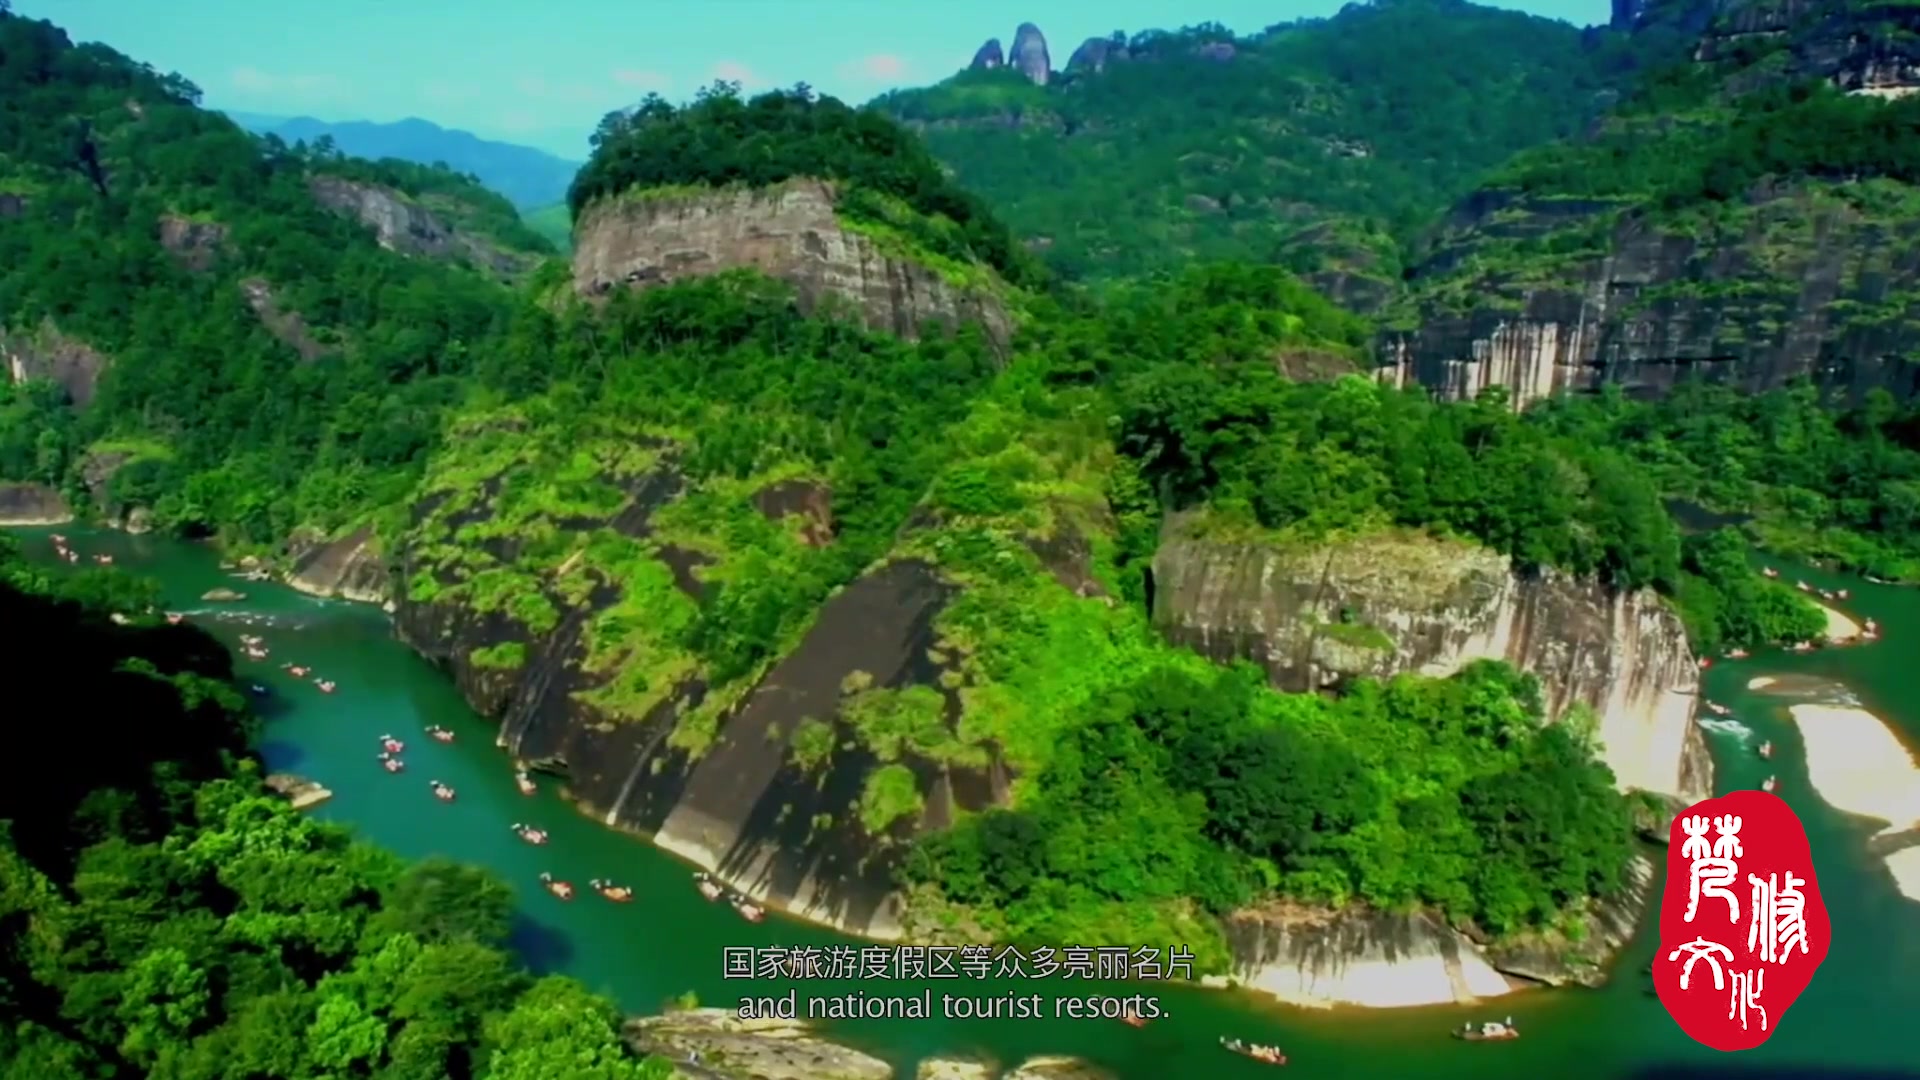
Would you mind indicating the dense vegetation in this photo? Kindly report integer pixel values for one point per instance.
(720, 139)
(1176, 153)
(1675, 153)
(163, 916)
(503, 441)
(223, 424)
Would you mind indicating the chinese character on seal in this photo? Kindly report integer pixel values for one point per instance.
(1742, 925)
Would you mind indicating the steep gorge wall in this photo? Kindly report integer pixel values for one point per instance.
(1317, 616)
(1803, 283)
(1542, 293)
(742, 806)
(788, 231)
(1411, 604)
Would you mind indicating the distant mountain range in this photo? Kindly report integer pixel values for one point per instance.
(528, 177)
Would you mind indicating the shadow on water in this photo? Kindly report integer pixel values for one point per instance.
(1769, 1072)
(282, 756)
(1696, 518)
(545, 949)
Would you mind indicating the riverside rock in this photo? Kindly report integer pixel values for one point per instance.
(715, 1044)
(349, 567)
(1317, 616)
(32, 504)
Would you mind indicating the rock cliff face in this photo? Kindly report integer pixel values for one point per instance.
(1541, 293)
(197, 244)
(788, 232)
(1029, 54)
(1094, 54)
(1809, 283)
(1314, 617)
(744, 806)
(403, 225)
(1312, 958)
(32, 504)
(350, 568)
(989, 56)
(46, 353)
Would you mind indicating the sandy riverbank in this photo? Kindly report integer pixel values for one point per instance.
(1858, 765)
(1905, 865)
(1841, 627)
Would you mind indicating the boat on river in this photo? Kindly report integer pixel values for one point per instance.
(619, 894)
(561, 889)
(1488, 1032)
(391, 745)
(530, 834)
(1266, 1055)
(326, 685)
(1131, 1018)
(174, 618)
(1767, 784)
(709, 888)
(1766, 750)
(392, 764)
(748, 910)
(441, 791)
(439, 734)
(524, 782)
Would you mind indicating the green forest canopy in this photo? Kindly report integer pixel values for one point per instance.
(1175, 154)
(162, 915)
(1160, 396)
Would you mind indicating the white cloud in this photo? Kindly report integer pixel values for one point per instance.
(252, 80)
(646, 81)
(879, 67)
(733, 71)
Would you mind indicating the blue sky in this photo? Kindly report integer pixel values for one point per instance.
(543, 73)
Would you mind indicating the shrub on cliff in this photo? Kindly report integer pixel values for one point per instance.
(721, 139)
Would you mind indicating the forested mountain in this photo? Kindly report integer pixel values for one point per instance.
(1318, 143)
(529, 178)
(724, 522)
(1745, 216)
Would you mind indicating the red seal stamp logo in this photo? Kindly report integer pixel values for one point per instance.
(1742, 926)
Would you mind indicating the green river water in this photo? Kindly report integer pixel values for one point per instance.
(670, 941)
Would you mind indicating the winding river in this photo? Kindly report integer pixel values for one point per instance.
(1858, 1013)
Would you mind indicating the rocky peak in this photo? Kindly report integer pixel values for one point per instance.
(989, 56)
(1095, 53)
(1029, 54)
